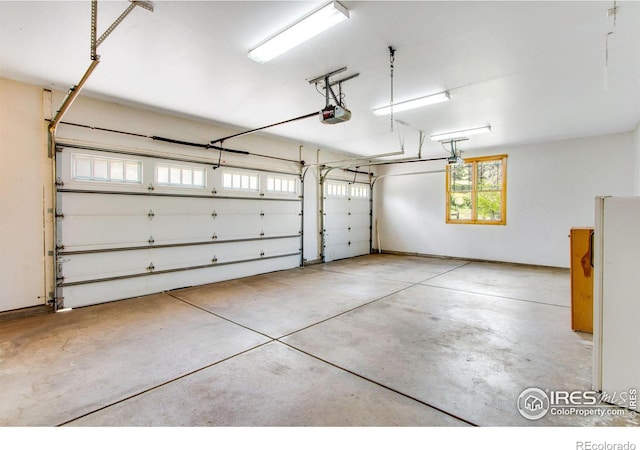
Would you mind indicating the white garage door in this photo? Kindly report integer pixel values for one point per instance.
(346, 220)
(130, 225)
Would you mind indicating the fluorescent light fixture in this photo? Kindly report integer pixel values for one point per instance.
(461, 133)
(412, 104)
(304, 29)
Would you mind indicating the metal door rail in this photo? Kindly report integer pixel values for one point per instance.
(347, 181)
(63, 252)
(185, 143)
(180, 269)
(168, 194)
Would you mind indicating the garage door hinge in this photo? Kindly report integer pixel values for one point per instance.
(215, 236)
(59, 182)
(261, 233)
(349, 243)
(261, 213)
(151, 240)
(151, 267)
(151, 214)
(151, 188)
(59, 215)
(300, 213)
(214, 214)
(214, 259)
(262, 253)
(214, 192)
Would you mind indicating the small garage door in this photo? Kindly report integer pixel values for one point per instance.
(131, 225)
(346, 220)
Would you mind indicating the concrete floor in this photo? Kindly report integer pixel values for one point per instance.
(379, 340)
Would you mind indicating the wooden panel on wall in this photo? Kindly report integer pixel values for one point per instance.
(581, 279)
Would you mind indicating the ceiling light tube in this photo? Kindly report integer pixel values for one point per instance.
(412, 104)
(304, 29)
(461, 133)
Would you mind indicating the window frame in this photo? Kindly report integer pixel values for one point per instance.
(109, 178)
(240, 173)
(354, 191)
(274, 178)
(335, 186)
(181, 168)
(474, 191)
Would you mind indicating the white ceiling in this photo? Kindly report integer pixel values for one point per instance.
(534, 71)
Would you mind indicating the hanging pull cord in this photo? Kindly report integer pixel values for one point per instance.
(392, 58)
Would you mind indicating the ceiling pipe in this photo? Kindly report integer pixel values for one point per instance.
(357, 163)
(371, 160)
(376, 178)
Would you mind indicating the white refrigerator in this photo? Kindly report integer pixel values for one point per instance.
(616, 298)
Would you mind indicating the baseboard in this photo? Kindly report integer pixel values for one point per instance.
(22, 313)
(456, 258)
(312, 262)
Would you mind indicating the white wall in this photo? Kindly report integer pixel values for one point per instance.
(550, 189)
(24, 191)
(636, 142)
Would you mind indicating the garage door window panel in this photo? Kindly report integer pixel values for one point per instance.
(282, 185)
(111, 170)
(180, 176)
(240, 181)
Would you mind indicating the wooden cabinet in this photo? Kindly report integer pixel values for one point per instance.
(582, 279)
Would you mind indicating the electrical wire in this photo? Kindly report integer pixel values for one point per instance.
(392, 59)
(401, 136)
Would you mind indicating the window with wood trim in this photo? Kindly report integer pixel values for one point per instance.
(477, 191)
